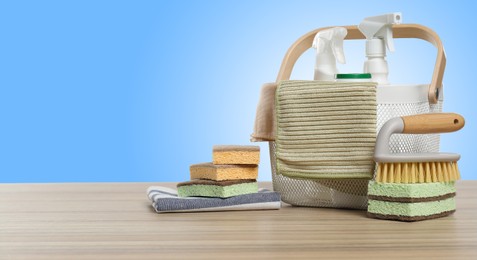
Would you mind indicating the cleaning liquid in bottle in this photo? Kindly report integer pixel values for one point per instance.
(379, 33)
(353, 77)
(329, 49)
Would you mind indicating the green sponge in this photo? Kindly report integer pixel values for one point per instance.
(401, 192)
(411, 211)
(410, 201)
(220, 189)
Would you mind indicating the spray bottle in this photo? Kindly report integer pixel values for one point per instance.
(329, 49)
(378, 32)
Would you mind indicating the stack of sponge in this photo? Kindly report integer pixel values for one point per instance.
(411, 201)
(233, 172)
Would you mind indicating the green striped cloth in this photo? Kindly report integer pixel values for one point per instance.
(325, 130)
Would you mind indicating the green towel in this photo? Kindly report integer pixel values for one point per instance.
(325, 130)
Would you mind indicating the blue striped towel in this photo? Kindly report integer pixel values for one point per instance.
(166, 200)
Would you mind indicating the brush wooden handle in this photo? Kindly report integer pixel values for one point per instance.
(432, 123)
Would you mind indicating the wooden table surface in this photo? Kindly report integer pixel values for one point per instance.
(116, 221)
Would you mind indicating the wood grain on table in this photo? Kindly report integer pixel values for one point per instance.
(116, 221)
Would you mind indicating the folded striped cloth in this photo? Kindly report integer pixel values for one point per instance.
(166, 200)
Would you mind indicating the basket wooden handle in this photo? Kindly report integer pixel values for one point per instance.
(399, 31)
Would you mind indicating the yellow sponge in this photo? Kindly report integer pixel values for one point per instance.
(236, 154)
(223, 172)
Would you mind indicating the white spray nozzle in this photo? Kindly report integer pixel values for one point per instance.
(331, 39)
(379, 34)
(329, 49)
(380, 27)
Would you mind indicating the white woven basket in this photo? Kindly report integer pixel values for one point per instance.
(393, 101)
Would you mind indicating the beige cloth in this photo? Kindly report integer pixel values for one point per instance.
(325, 130)
(265, 125)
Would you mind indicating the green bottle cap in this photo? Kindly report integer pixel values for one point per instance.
(353, 76)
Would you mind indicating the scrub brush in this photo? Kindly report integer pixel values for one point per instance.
(417, 167)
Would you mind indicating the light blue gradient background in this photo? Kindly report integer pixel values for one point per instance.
(139, 90)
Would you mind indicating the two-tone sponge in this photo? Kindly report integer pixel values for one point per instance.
(233, 172)
(411, 201)
(236, 154)
(218, 189)
(413, 187)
